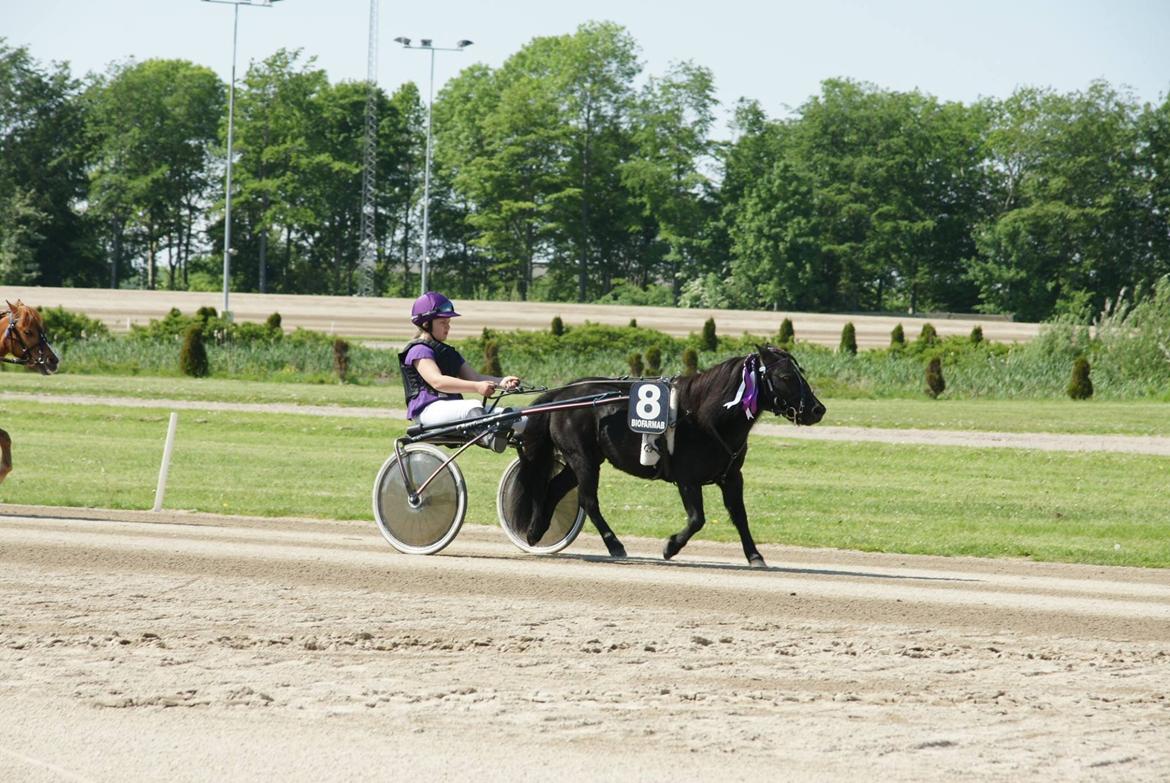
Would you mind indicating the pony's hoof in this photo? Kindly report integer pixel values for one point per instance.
(670, 550)
(617, 551)
(756, 561)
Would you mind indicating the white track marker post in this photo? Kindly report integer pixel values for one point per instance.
(166, 462)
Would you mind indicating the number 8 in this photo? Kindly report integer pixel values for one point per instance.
(648, 405)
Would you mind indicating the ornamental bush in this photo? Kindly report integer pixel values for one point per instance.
(927, 337)
(635, 362)
(710, 341)
(934, 378)
(690, 361)
(787, 336)
(341, 359)
(976, 334)
(63, 326)
(491, 359)
(1080, 386)
(897, 337)
(558, 326)
(654, 361)
(193, 354)
(848, 339)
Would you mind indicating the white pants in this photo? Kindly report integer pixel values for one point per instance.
(447, 411)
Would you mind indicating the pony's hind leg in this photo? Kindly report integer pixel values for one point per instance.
(587, 481)
(5, 455)
(558, 487)
(692, 498)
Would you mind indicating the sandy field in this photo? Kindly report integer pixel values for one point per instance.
(388, 319)
(138, 646)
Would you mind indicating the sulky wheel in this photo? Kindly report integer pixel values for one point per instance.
(567, 518)
(428, 525)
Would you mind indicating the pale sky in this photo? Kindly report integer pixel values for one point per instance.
(777, 52)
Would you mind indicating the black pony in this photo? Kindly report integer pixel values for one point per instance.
(711, 442)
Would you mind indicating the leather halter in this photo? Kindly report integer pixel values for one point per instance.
(25, 358)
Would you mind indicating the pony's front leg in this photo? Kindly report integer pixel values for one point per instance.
(5, 455)
(692, 498)
(732, 487)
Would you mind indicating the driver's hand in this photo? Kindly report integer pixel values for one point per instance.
(485, 388)
(510, 382)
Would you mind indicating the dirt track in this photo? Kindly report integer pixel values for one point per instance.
(386, 319)
(188, 647)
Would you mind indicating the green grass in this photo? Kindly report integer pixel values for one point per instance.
(385, 395)
(1094, 508)
(1086, 417)
(1097, 417)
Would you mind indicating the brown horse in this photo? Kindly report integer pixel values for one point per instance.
(22, 341)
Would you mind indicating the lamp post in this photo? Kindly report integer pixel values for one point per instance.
(228, 252)
(425, 44)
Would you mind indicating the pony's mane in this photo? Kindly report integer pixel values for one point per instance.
(705, 393)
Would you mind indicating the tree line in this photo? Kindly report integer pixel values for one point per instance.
(569, 174)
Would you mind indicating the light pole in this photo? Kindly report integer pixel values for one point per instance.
(227, 198)
(424, 44)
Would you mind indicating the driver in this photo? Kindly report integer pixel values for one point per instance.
(435, 375)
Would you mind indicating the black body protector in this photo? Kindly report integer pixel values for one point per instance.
(448, 359)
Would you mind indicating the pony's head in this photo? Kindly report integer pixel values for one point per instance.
(783, 388)
(23, 336)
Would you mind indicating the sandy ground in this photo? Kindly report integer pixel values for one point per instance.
(387, 319)
(139, 646)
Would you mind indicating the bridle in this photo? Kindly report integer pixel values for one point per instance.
(26, 358)
(777, 404)
(763, 369)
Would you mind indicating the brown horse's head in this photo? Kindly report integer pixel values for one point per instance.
(784, 388)
(22, 335)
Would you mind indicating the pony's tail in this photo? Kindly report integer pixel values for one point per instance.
(532, 479)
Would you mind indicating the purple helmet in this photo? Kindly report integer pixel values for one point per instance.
(430, 306)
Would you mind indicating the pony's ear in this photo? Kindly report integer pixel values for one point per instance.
(12, 307)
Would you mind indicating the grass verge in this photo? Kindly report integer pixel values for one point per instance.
(1089, 508)
(1100, 417)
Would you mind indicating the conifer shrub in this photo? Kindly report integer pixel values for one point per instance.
(273, 322)
(654, 361)
(341, 359)
(897, 337)
(848, 339)
(928, 336)
(690, 361)
(558, 326)
(935, 384)
(206, 314)
(635, 362)
(633, 323)
(491, 359)
(1080, 386)
(787, 335)
(193, 354)
(709, 342)
(976, 334)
